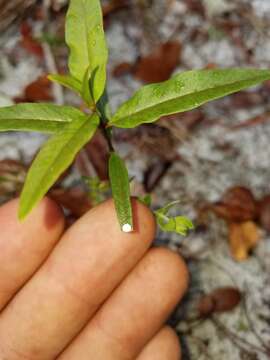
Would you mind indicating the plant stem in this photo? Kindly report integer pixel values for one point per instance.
(103, 110)
(107, 135)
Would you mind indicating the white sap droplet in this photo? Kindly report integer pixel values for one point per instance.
(126, 228)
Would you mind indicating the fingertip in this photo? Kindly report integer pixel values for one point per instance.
(143, 218)
(164, 345)
(52, 213)
(47, 212)
(172, 341)
(173, 265)
(104, 216)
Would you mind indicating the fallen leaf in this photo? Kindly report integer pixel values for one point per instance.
(246, 99)
(114, 5)
(264, 212)
(243, 237)
(74, 199)
(28, 42)
(122, 69)
(160, 64)
(220, 300)
(38, 90)
(211, 66)
(206, 306)
(196, 6)
(237, 204)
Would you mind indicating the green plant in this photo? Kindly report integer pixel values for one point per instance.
(71, 129)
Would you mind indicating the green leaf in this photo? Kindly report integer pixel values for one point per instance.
(121, 192)
(184, 92)
(67, 81)
(146, 199)
(46, 118)
(87, 93)
(54, 157)
(103, 107)
(178, 224)
(97, 189)
(83, 89)
(86, 40)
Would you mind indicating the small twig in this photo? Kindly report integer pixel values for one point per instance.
(237, 340)
(51, 67)
(256, 120)
(252, 327)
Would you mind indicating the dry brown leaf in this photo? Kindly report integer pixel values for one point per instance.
(159, 65)
(38, 90)
(28, 42)
(220, 300)
(246, 99)
(243, 237)
(237, 204)
(114, 5)
(196, 6)
(75, 200)
(122, 69)
(264, 212)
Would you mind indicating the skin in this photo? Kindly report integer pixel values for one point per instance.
(91, 292)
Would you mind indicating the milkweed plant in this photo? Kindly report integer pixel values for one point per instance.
(70, 128)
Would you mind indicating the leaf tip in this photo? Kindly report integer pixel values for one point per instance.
(22, 213)
(23, 209)
(50, 77)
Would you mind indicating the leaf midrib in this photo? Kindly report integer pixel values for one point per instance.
(86, 33)
(125, 213)
(122, 185)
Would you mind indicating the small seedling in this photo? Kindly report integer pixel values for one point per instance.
(71, 129)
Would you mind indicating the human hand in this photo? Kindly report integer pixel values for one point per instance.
(90, 293)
